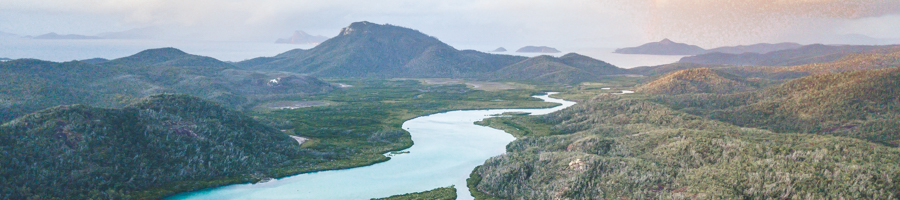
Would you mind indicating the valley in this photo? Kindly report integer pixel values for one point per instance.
(396, 111)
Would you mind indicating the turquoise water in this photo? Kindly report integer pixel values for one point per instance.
(447, 147)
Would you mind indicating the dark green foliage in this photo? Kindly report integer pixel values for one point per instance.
(31, 85)
(568, 69)
(444, 193)
(163, 144)
(630, 147)
(862, 104)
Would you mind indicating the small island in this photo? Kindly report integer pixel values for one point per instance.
(501, 49)
(536, 49)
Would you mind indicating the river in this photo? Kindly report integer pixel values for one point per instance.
(448, 146)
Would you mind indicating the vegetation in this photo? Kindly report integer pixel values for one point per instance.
(630, 147)
(444, 193)
(826, 136)
(698, 80)
(30, 85)
(371, 50)
(160, 145)
(861, 104)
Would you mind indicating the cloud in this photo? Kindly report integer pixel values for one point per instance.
(496, 22)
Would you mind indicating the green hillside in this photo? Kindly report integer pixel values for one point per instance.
(862, 104)
(32, 85)
(568, 69)
(698, 80)
(630, 147)
(365, 49)
(162, 143)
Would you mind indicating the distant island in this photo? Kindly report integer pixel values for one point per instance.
(664, 47)
(4, 59)
(668, 47)
(301, 37)
(535, 49)
(54, 36)
(501, 49)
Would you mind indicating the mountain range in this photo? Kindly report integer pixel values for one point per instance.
(30, 85)
(366, 49)
(668, 47)
(815, 53)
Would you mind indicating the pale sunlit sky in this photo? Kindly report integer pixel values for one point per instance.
(574, 23)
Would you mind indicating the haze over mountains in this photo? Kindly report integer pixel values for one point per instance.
(668, 47)
(365, 49)
(301, 37)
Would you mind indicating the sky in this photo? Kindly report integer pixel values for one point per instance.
(510, 23)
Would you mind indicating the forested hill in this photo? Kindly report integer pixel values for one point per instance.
(365, 49)
(698, 80)
(83, 152)
(30, 85)
(825, 136)
(862, 104)
(568, 69)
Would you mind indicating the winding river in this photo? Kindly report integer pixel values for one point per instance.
(447, 147)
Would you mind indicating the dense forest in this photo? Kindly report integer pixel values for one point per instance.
(29, 85)
(690, 134)
(172, 142)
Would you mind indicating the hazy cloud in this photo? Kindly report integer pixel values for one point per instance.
(492, 23)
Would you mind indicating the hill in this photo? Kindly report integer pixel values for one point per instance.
(808, 54)
(32, 85)
(664, 47)
(365, 49)
(626, 147)
(301, 37)
(568, 69)
(537, 49)
(163, 141)
(709, 146)
(760, 48)
(698, 80)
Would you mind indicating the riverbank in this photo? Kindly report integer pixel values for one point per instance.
(448, 146)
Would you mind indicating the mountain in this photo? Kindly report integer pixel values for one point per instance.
(816, 53)
(536, 49)
(95, 60)
(698, 80)
(365, 49)
(301, 37)
(760, 48)
(664, 47)
(568, 69)
(54, 36)
(499, 49)
(783, 142)
(166, 143)
(31, 85)
(168, 57)
(862, 104)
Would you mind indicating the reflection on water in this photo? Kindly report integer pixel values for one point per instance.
(448, 146)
